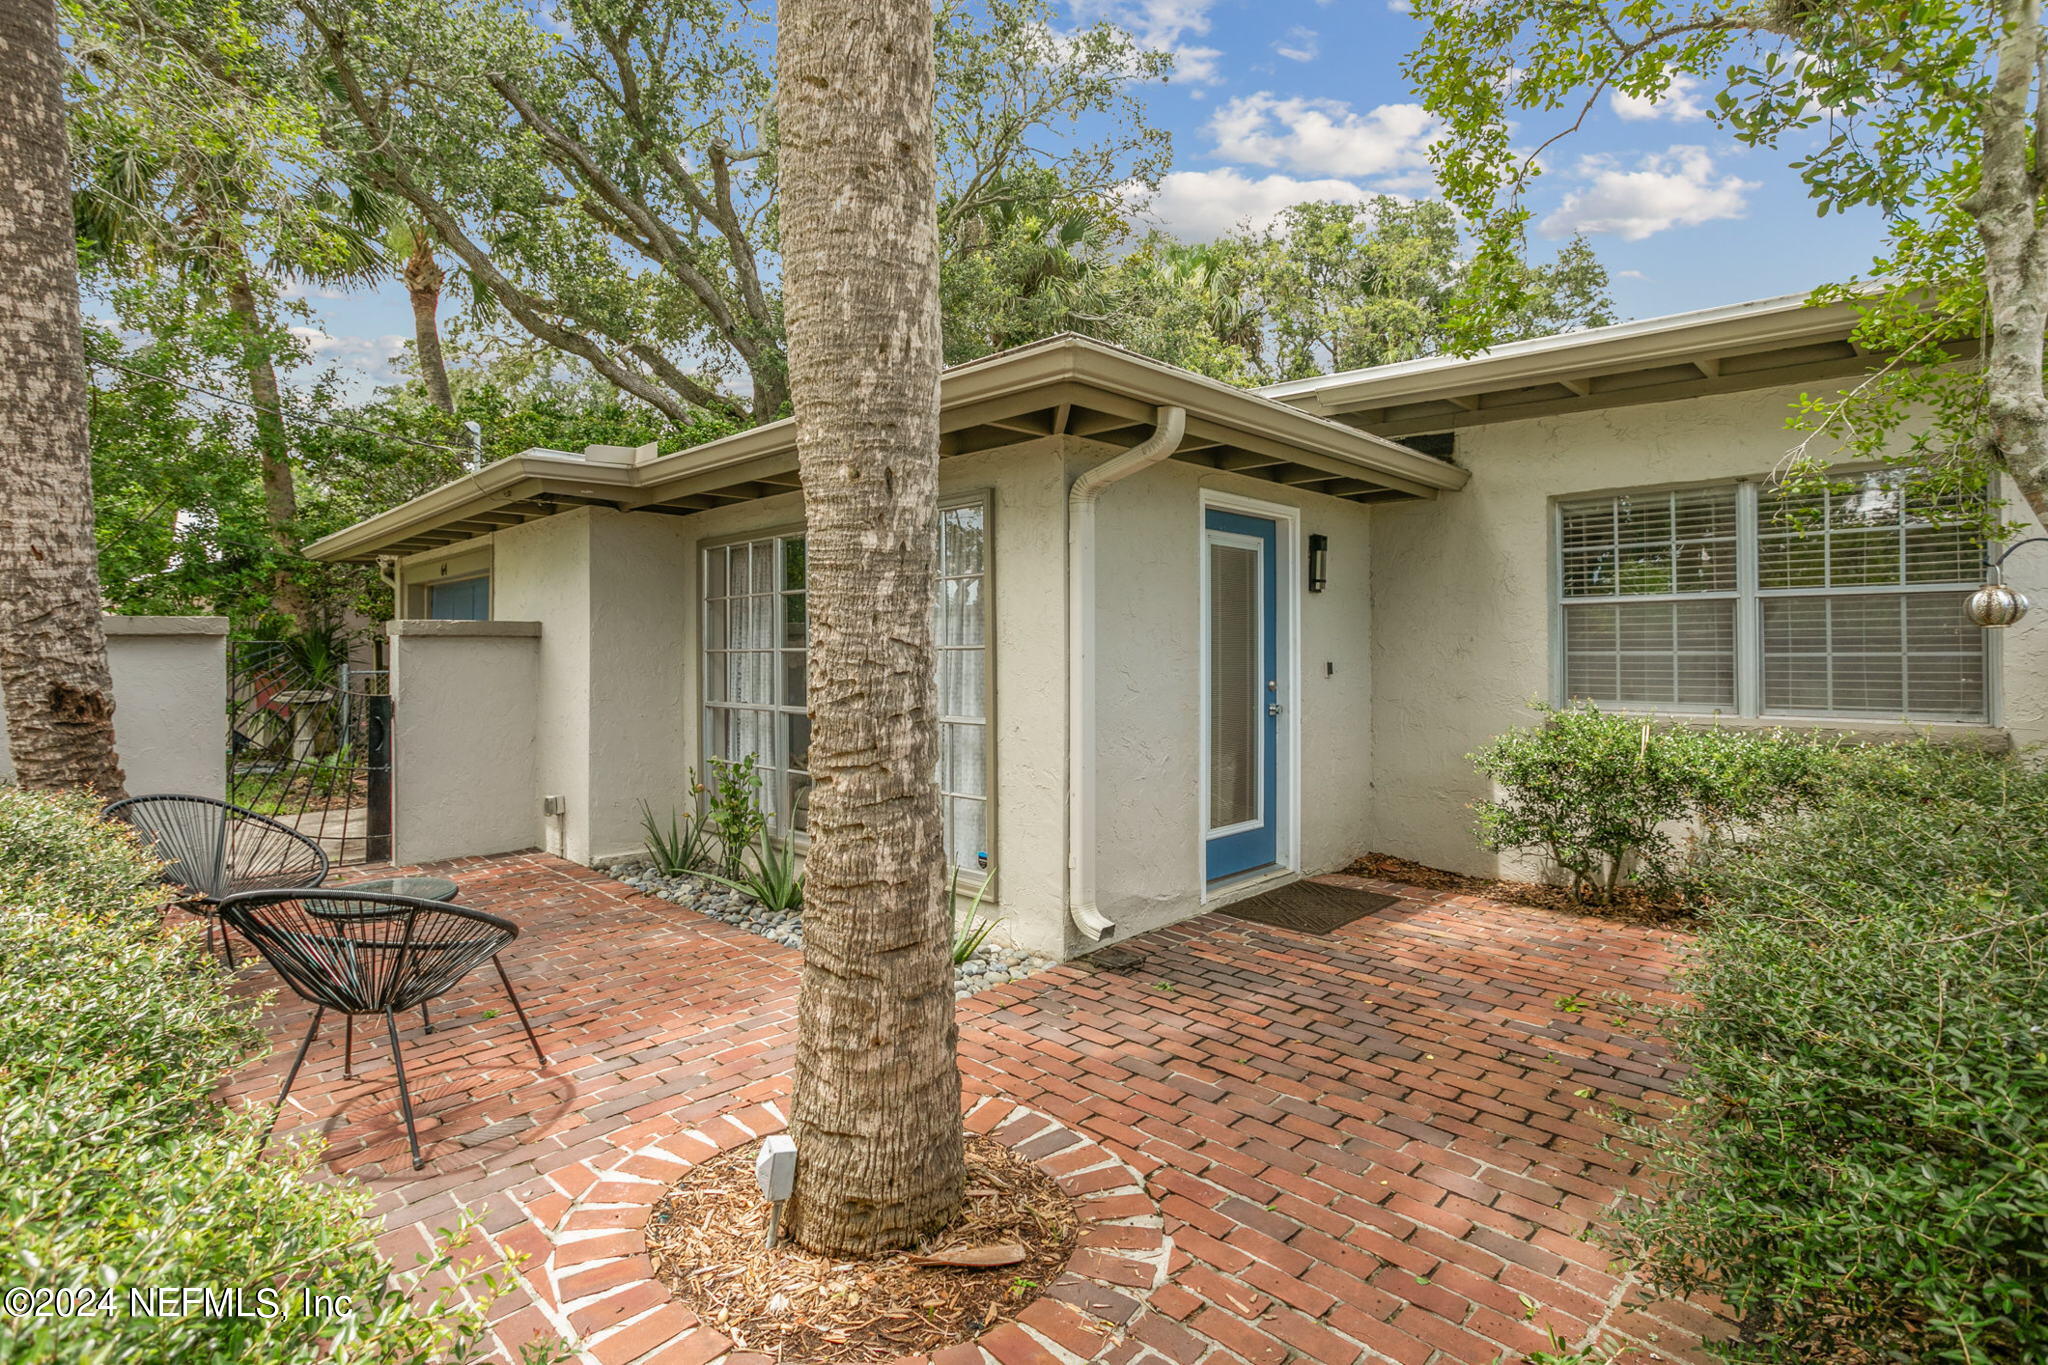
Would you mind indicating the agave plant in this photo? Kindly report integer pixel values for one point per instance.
(769, 874)
(970, 931)
(682, 845)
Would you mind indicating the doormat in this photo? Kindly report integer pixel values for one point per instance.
(1309, 907)
(1115, 959)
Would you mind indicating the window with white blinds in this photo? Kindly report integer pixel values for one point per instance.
(1738, 599)
(756, 642)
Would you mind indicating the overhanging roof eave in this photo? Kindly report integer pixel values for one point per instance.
(1065, 362)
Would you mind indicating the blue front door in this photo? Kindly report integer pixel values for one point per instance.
(1240, 602)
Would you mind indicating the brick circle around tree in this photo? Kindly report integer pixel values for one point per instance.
(594, 1275)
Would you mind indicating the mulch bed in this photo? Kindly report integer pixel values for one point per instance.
(705, 1237)
(1630, 906)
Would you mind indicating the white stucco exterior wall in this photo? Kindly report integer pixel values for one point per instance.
(639, 657)
(170, 677)
(466, 724)
(1461, 597)
(1149, 678)
(541, 572)
(616, 698)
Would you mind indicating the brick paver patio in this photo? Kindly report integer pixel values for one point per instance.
(1381, 1145)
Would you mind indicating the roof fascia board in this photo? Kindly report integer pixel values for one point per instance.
(1576, 355)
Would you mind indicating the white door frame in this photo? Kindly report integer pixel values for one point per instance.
(1287, 648)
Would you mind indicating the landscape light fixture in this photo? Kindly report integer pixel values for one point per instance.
(1998, 604)
(1318, 563)
(775, 1169)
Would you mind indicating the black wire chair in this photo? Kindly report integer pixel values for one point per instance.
(364, 952)
(212, 849)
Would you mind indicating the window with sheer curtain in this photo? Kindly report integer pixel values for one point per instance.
(1734, 598)
(755, 655)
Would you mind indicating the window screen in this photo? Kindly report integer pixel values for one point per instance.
(1841, 603)
(1832, 645)
(1649, 584)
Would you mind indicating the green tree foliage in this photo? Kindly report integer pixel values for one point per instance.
(1931, 113)
(1326, 287)
(1856, 1163)
(182, 520)
(124, 1170)
(604, 173)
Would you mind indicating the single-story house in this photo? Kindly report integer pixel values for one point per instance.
(1195, 641)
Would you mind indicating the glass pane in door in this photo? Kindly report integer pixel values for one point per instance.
(1234, 685)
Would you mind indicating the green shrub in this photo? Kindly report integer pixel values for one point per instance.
(1597, 792)
(120, 1170)
(733, 808)
(1860, 1160)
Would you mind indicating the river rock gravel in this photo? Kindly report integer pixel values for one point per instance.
(992, 964)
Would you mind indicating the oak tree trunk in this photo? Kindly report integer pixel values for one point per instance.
(2007, 209)
(876, 1115)
(53, 653)
(423, 282)
(273, 448)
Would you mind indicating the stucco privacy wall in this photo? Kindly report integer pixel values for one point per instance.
(1461, 597)
(170, 703)
(1148, 683)
(466, 706)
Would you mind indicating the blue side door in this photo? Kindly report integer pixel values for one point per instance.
(1241, 687)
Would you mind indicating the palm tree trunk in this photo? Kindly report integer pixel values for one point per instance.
(423, 282)
(53, 653)
(273, 448)
(876, 1114)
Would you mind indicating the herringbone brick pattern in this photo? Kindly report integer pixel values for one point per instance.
(1379, 1146)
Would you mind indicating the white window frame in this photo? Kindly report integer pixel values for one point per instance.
(970, 876)
(1749, 597)
(776, 762)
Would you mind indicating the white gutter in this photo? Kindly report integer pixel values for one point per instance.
(1082, 496)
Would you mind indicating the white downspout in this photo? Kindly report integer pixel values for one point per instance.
(1086, 491)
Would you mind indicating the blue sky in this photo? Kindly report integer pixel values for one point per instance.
(1276, 101)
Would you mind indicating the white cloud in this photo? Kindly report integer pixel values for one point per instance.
(1673, 188)
(1300, 45)
(369, 355)
(1197, 206)
(1198, 65)
(303, 289)
(1323, 136)
(1163, 26)
(1401, 6)
(1680, 102)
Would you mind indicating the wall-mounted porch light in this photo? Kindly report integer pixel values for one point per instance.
(1318, 562)
(1998, 604)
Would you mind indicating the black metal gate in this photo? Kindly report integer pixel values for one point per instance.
(309, 743)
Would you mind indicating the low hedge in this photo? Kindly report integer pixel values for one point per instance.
(121, 1171)
(1860, 1166)
(1599, 794)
